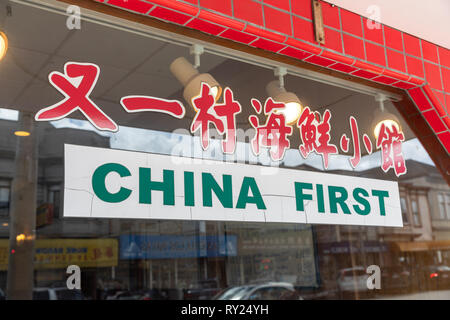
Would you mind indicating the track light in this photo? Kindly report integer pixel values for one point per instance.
(276, 90)
(188, 75)
(381, 116)
(3, 45)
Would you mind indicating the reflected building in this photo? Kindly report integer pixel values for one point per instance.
(421, 242)
(51, 256)
(178, 256)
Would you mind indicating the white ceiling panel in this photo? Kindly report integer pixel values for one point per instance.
(26, 29)
(110, 47)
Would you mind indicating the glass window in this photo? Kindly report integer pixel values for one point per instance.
(274, 293)
(165, 253)
(447, 197)
(442, 206)
(233, 293)
(4, 198)
(415, 212)
(405, 214)
(54, 198)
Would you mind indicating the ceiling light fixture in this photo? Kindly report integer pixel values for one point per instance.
(381, 116)
(3, 45)
(276, 90)
(188, 75)
(20, 133)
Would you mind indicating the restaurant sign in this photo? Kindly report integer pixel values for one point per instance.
(59, 253)
(107, 183)
(272, 134)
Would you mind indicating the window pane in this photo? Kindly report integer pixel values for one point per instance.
(415, 211)
(4, 201)
(404, 207)
(442, 206)
(448, 206)
(322, 223)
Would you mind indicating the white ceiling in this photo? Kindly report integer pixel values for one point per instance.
(134, 65)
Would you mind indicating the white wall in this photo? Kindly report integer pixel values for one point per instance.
(426, 19)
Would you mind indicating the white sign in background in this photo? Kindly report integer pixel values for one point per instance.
(277, 190)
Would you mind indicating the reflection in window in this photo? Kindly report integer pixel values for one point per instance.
(442, 209)
(448, 205)
(404, 210)
(5, 190)
(54, 198)
(415, 212)
(444, 205)
(9, 114)
(270, 293)
(147, 259)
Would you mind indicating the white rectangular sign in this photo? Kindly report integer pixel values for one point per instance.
(108, 183)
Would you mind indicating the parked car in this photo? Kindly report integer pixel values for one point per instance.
(125, 295)
(266, 291)
(438, 277)
(153, 294)
(57, 294)
(161, 294)
(351, 279)
(204, 290)
(317, 294)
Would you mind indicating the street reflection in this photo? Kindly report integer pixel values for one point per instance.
(161, 260)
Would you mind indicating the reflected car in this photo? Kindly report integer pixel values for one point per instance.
(317, 294)
(57, 294)
(204, 290)
(154, 294)
(125, 295)
(438, 277)
(161, 294)
(351, 279)
(266, 291)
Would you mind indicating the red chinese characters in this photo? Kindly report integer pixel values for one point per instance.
(390, 142)
(79, 79)
(274, 133)
(229, 109)
(354, 161)
(76, 96)
(222, 116)
(315, 135)
(144, 103)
